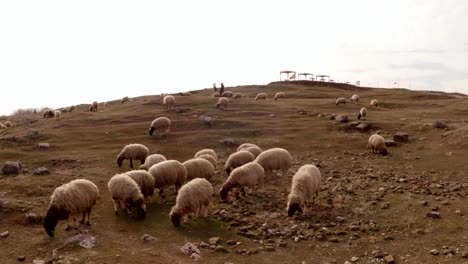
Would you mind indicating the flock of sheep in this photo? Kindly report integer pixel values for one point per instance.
(249, 166)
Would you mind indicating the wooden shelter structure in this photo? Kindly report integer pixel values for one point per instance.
(322, 78)
(305, 75)
(289, 75)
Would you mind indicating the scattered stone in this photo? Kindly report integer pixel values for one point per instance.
(221, 249)
(231, 242)
(32, 134)
(378, 253)
(269, 249)
(195, 256)
(189, 248)
(21, 258)
(41, 171)
(340, 219)
(390, 143)
(401, 137)
(4, 234)
(204, 245)
(464, 254)
(89, 242)
(388, 237)
(445, 202)
(418, 232)
(33, 218)
(458, 212)
(11, 167)
(389, 259)
(433, 214)
(385, 205)
(363, 127)
(214, 240)
(440, 124)
(354, 259)
(434, 252)
(282, 244)
(43, 145)
(39, 261)
(229, 142)
(341, 118)
(423, 203)
(206, 120)
(147, 238)
(347, 262)
(447, 251)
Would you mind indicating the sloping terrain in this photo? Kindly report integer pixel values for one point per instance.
(370, 206)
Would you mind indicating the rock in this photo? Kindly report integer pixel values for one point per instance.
(464, 254)
(269, 249)
(204, 245)
(434, 252)
(418, 232)
(206, 120)
(231, 242)
(32, 134)
(363, 127)
(214, 240)
(4, 234)
(433, 214)
(347, 262)
(354, 259)
(229, 142)
(195, 256)
(390, 143)
(147, 238)
(378, 254)
(340, 219)
(389, 259)
(423, 203)
(33, 218)
(39, 261)
(341, 118)
(11, 167)
(282, 244)
(385, 205)
(221, 249)
(440, 124)
(21, 258)
(458, 212)
(401, 137)
(354, 123)
(41, 171)
(89, 242)
(43, 145)
(189, 248)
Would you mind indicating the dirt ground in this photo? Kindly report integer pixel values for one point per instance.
(371, 208)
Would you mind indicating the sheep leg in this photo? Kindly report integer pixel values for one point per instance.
(243, 191)
(88, 211)
(131, 163)
(142, 161)
(115, 207)
(161, 193)
(83, 217)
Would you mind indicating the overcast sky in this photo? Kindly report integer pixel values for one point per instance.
(58, 53)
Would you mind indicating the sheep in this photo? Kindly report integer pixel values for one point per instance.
(247, 175)
(93, 107)
(8, 124)
(166, 173)
(206, 151)
(227, 94)
(354, 98)
(340, 100)
(151, 160)
(131, 152)
(374, 103)
(246, 145)
(2, 126)
(238, 159)
(162, 125)
(169, 101)
(237, 95)
(71, 108)
(209, 158)
(126, 192)
(57, 114)
(362, 113)
(304, 188)
(275, 159)
(254, 150)
(193, 198)
(199, 168)
(75, 197)
(48, 113)
(377, 144)
(125, 99)
(279, 95)
(261, 96)
(223, 102)
(215, 95)
(144, 180)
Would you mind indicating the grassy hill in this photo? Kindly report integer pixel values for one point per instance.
(367, 202)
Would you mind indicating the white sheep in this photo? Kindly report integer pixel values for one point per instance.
(193, 198)
(374, 103)
(247, 175)
(246, 145)
(275, 159)
(57, 114)
(8, 124)
(209, 158)
(255, 150)
(237, 95)
(377, 144)
(279, 95)
(125, 99)
(126, 193)
(93, 107)
(167, 173)
(206, 151)
(362, 113)
(169, 101)
(340, 100)
(261, 96)
(215, 95)
(304, 188)
(199, 168)
(223, 102)
(133, 152)
(151, 160)
(238, 159)
(227, 94)
(2, 126)
(354, 98)
(162, 125)
(144, 180)
(76, 197)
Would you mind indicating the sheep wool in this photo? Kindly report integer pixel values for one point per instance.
(144, 180)
(279, 95)
(93, 107)
(246, 145)
(261, 96)
(126, 193)
(206, 151)
(193, 198)
(125, 99)
(75, 197)
(161, 125)
(354, 98)
(199, 168)
(8, 124)
(227, 94)
(304, 188)
(151, 160)
(340, 101)
(133, 152)
(209, 158)
(168, 173)
(223, 103)
(237, 95)
(275, 159)
(362, 113)
(238, 159)
(374, 103)
(254, 150)
(215, 95)
(377, 144)
(169, 101)
(247, 175)
(57, 114)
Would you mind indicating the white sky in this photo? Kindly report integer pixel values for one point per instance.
(58, 53)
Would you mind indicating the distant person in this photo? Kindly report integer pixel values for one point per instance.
(214, 87)
(221, 90)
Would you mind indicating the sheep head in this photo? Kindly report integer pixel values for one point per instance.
(359, 116)
(54, 214)
(119, 161)
(140, 207)
(293, 207)
(384, 152)
(151, 131)
(175, 218)
(225, 190)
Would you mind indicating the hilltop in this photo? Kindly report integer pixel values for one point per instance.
(370, 205)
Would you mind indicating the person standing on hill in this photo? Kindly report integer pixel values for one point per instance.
(221, 90)
(214, 87)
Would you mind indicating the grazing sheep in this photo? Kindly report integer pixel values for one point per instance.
(374, 103)
(238, 159)
(93, 107)
(261, 96)
(223, 102)
(206, 151)
(279, 95)
(8, 124)
(48, 114)
(125, 99)
(215, 95)
(169, 101)
(304, 188)
(362, 113)
(133, 152)
(151, 160)
(254, 150)
(167, 173)
(354, 98)
(227, 94)
(144, 180)
(275, 159)
(75, 197)
(71, 108)
(162, 125)
(246, 145)
(57, 114)
(2, 126)
(340, 100)
(247, 175)
(193, 198)
(237, 95)
(199, 168)
(377, 144)
(126, 192)
(209, 158)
